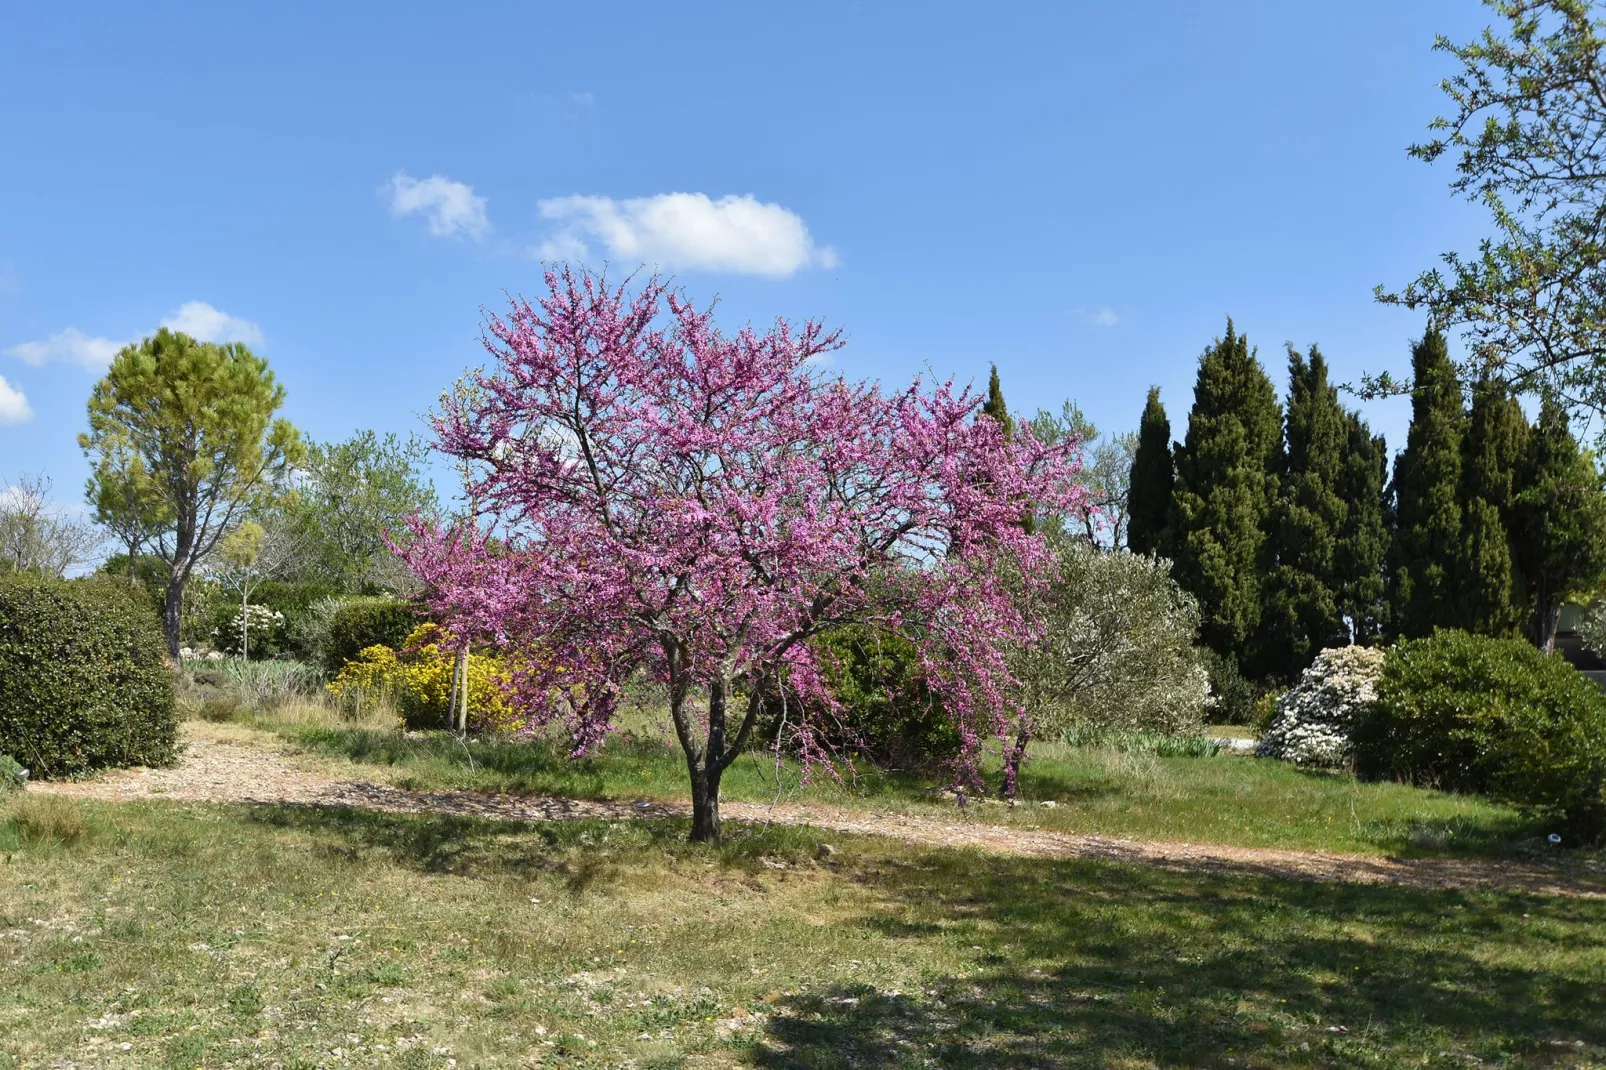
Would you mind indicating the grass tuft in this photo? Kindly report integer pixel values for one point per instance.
(47, 819)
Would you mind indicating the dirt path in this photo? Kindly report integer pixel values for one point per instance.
(239, 766)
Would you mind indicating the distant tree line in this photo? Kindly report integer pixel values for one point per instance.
(1282, 522)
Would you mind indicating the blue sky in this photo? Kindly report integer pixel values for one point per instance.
(1082, 193)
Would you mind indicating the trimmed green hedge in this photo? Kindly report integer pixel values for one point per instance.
(365, 622)
(84, 682)
(1493, 717)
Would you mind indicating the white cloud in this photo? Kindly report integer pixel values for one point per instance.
(685, 230)
(1102, 316)
(451, 206)
(197, 319)
(14, 408)
(204, 323)
(70, 346)
(585, 100)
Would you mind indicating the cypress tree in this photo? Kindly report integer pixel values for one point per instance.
(1560, 531)
(1427, 506)
(1489, 597)
(1300, 614)
(1363, 540)
(1227, 476)
(1153, 476)
(994, 405)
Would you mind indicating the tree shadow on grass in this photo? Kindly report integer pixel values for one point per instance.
(1090, 964)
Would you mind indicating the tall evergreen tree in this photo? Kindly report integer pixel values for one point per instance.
(1427, 506)
(1560, 528)
(1363, 540)
(994, 405)
(1153, 477)
(1300, 610)
(1227, 476)
(1489, 597)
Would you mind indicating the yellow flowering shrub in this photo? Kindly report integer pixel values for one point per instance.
(418, 680)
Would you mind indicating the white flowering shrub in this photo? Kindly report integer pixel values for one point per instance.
(1315, 720)
(262, 628)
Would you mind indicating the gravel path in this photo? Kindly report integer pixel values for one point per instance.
(220, 765)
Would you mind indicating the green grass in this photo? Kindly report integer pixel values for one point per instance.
(1221, 799)
(175, 936)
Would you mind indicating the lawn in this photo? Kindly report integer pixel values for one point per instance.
(1224, 799)
(181, 935)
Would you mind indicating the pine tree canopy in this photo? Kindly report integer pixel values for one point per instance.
(1153, 476)
(1227, 480)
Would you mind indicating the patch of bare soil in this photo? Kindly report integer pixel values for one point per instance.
(221, 764)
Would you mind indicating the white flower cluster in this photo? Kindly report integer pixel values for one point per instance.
(1315, 718)
(264, 624)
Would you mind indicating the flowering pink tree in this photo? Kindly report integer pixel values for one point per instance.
(661, 498)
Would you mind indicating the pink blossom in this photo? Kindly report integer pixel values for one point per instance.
(660, 498)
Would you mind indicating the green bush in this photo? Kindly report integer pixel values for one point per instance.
(1494, 717)
(1233, 697)
(887, 712)
(301, 605)
(365, 622)
(83, 677)
(13, 777)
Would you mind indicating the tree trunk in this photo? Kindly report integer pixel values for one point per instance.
(1547, 615)
(704, 803)
(245, 628)
(172, 614)
(1012, 761)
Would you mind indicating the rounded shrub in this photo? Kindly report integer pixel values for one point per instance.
(1494, 717)
(84, 682)
(365, 622)
(1314, 721)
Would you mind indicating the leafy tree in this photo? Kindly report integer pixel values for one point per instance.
(1363, 540)
(126, 500)
(1102, 515)
(248, 557)
(1302, 614)
(352, 494)
(1560, 522)
(1528, 128)
(1117, 647)
(1427, 505)
(673, 501)
(200, 418)
(1151, 481)
(38, 538)
(1489, 595)
(1227, 482)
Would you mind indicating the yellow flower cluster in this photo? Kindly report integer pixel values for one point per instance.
(418, 680)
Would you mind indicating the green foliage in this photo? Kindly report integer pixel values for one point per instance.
(1153, 473)
(995, 407)
(1227, 481)
(198, 419)
(1105, 477)
(1234, 699)
(1117, 648)
(353, 493)
(1492, 716)
(364, 622)
(1489, 594)
(83, 683)
(1527, 125)
(1161, 745)
(1363, 538)
(1300, 609)
(888, 712)
(13, 775)
(1560, 537)
(1427, 504)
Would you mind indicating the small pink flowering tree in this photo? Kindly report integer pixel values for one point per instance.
(662, 498)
